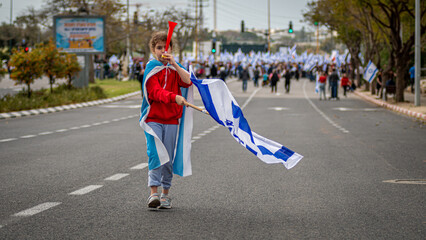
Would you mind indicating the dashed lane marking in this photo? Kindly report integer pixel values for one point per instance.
(139, 166)
(45, 133)
(86, 190)
(28, 136)
(278, 108)
(8, 139)
(67, 129)
(37, 209)
(406, 181)
(116, 177)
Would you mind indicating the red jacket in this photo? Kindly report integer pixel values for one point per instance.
(322, 79)
(344, 81)
(162, 97)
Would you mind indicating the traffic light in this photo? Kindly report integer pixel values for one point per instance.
(290, 27)
(316, 23)
(214, 47)
(26, 49)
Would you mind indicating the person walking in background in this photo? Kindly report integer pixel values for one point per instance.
(287, 78)
(412, 72)
(333, 80)
(345, 83)
(274, 81)
(322, 82)
(256, 76)
(245, 77)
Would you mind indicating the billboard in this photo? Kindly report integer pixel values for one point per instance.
(80, 34)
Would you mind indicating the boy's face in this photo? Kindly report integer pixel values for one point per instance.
(159, 49)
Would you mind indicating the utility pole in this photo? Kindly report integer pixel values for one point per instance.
(125, 64)
(11, 13)
(214, 16)
(196, 30)
(417, 56)
(269, 25)
(215, 25)
(317, 38)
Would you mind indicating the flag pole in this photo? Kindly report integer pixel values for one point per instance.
(196, 108)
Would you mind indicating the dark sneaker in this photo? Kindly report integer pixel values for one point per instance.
(165, 202)
(153, 201)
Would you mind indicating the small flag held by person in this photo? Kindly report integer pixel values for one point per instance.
(370, 71)
(224, 109)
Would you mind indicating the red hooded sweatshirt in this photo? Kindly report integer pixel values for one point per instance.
(162, 89)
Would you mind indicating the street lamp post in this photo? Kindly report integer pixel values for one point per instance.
(417, 63)
(11, 13)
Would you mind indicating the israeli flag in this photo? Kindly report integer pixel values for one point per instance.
(370, 71)
(223, 108)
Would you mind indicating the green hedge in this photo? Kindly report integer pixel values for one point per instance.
(44, 99)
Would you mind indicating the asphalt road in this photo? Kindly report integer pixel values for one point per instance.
(80, 174)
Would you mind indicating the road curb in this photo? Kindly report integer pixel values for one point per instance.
(418, 116)
(65, 107)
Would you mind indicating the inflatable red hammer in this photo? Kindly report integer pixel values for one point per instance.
(172, 26)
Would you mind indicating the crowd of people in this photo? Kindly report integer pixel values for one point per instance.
(328, 75)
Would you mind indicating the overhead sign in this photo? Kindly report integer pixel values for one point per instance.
(80, 34)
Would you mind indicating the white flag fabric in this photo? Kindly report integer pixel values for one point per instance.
(370, 71)
(224, 109)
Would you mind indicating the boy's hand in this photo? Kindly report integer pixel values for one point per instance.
(169, 58)
(180, 100)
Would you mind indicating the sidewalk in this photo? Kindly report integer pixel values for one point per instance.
(407, 108)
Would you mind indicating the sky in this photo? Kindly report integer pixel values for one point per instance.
(229, 13)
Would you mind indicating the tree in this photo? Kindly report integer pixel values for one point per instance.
(393, 16)
(53, 62)
(333, 15)
(72, 67)
(26, 67)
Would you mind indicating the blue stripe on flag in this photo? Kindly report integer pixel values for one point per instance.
(151, 149)
(207, 98)
(178, 165)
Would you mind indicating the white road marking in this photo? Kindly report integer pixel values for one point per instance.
(278, 108)
(343, 109)
(407, 181)
(86, 190)
(249, 99)
(116, 177)
(45, 133)
(322, 113)
(37, 209)
(8, 139)
(28, 136)
(139, 166)
(71, 128)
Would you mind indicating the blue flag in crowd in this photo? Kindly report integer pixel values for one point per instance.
(370, 71)
(223, 108)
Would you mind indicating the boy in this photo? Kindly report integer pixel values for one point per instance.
(162, 108)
